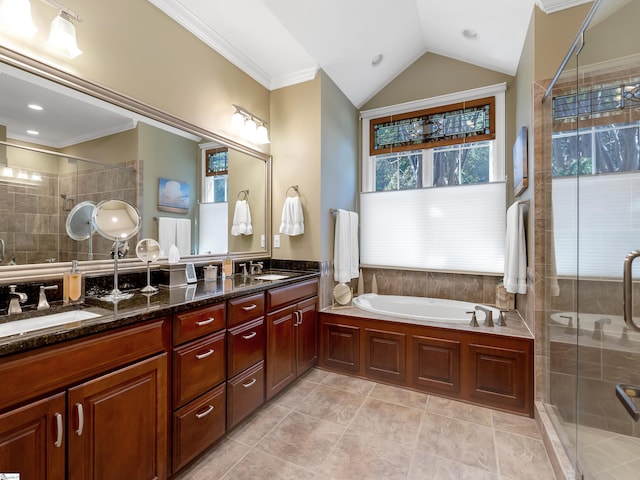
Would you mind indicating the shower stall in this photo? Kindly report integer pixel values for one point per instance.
(588, 193)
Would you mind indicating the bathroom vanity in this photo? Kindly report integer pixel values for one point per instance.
(143, 389)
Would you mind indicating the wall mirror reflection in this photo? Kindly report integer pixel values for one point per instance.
(60, 148)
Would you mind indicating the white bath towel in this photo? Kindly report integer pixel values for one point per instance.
(292, 222)
(346, 256)
(183, 236)
(166, 234)
(515, 251)
(241, 219)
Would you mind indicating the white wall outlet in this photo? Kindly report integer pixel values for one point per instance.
(262, 241)
(276, 241)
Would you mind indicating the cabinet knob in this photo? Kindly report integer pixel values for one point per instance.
(205, 355)
(202, 323)
(59, 430)
(205, 413)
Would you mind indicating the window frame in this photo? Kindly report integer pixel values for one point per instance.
(367, 118)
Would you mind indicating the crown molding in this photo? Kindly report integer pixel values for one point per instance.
(552, 6)
(294, 78)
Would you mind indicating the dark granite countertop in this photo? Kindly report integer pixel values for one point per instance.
(139, 308)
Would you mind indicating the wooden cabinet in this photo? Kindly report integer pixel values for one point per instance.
(199, 374)
(292, 345)
(245, 360)
(94, 425)
(33, 439)
(487, 369)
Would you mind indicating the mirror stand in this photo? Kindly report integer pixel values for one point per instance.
(116, 295)
(149, 288)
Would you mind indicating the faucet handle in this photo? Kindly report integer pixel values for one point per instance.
(474, 319)
(43, 304)
(502, 319)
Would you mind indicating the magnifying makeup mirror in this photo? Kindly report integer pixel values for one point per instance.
(342, 294)
(119, 221)
(79, 225)
(148, 250)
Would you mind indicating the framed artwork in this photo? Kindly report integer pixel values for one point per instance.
(520, 169)
(173, 196)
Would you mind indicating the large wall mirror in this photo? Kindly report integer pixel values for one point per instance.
(89, 144)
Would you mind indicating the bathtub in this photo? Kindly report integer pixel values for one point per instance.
(421, 309)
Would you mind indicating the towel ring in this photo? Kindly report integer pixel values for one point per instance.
(243, 192)
(295, 187)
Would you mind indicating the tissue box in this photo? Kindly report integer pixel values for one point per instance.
(173, 275)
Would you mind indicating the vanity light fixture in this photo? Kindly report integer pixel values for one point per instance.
(253, 128)
(15, 17)
(62, 35)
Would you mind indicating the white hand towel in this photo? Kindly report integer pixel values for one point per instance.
(183, 236)
(515, 252)
(345, 248)
(241, 219)
(292, 222)
(166, 234)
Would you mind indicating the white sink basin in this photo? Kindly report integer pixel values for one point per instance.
(44, 321)
(271, 276)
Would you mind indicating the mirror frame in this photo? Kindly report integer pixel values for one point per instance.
(52, 270)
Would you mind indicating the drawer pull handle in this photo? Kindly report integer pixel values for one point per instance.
(80, 411)
(247, 385)
(205, 322)
(59, 430)
(205, 413)
(249, 307)
(205, 355)
(250, 336)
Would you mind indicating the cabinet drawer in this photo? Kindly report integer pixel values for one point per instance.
(245, 346)
(197, 367)
(245, 393)
(198, 322)
(281, 296)
(197, 425)
(245, 308)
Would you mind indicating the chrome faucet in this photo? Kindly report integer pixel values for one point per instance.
(42, 301)
(244, 269)
(488, 315)
(16, 299)
(255, 268)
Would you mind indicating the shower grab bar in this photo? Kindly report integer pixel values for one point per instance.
(628, 290)
(624, 394)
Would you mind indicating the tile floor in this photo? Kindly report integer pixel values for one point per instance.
(331, 426)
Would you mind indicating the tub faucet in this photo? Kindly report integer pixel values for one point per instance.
(598, 333)
(42, 301)
(16, 299)
(488, 315)
(255, 268)
(474, 319)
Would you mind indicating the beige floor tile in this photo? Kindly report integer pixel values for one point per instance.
(260, 465)
(459, 410)
(365, 456)
(253, 429)
(315, 375)
(398, 395)
(358, 386)
(458, 440)
(389, 421)
(522, 457)
(331, 404)
(627, 471)
(426, 466)
(216, 462)
(508, 422)
(301, 439)
(292, 396)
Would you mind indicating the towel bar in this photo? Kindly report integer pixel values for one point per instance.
(295, 187)
(245, 192)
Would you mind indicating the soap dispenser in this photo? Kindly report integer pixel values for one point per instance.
(74, 289)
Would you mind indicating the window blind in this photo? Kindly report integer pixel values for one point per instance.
(604, 220)
(457, 228)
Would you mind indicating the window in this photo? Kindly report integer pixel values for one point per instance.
(216, 178)
(412, 151)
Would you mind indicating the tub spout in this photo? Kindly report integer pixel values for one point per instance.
(488, 315)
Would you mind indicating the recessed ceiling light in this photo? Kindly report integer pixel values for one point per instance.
(469, 34)
(33, 132)
(377, 60)
(34, 106)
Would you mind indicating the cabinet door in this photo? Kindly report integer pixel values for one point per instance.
(385, 355)
(436, 364)
(118, 424)
(307, 333)
(340, 347)
(32, 439)
(281, 350)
